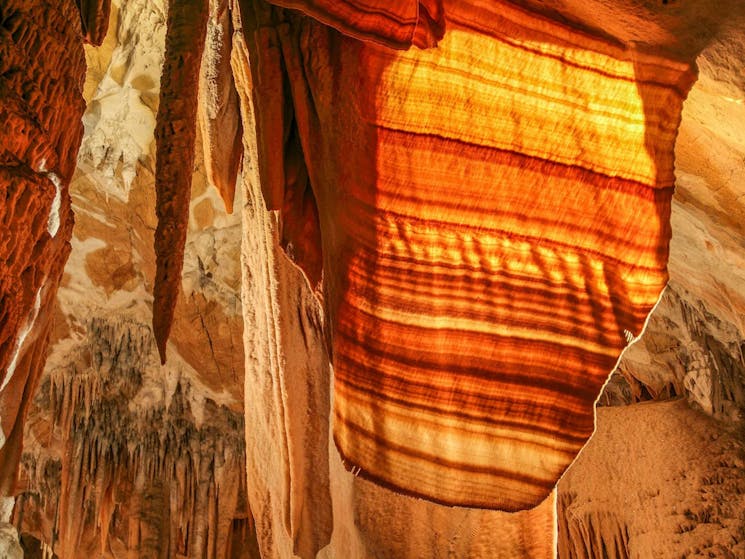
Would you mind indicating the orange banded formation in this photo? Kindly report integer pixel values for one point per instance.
(395, 24)
(494, 215)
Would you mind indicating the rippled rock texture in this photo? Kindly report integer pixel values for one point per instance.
(40, 114)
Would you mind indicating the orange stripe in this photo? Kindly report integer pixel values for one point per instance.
(494, 412)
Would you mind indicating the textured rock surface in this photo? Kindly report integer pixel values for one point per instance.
(153, 459)
(122, 89)
(656, 480)
(41, 131)
(10, 548)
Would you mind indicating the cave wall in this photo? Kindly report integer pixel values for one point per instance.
(155, 456)
(41, 110)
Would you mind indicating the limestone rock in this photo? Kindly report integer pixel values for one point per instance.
(122, 91)
(305, 503)
(689, 503)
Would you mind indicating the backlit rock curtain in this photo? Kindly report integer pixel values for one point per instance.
(491, 215)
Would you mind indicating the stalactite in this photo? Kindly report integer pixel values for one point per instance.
(94, 16)
(219, 115)
(175, 135)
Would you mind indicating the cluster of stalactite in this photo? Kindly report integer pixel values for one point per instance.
(119, 472)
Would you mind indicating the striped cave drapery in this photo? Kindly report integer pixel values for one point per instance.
(484, 195)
